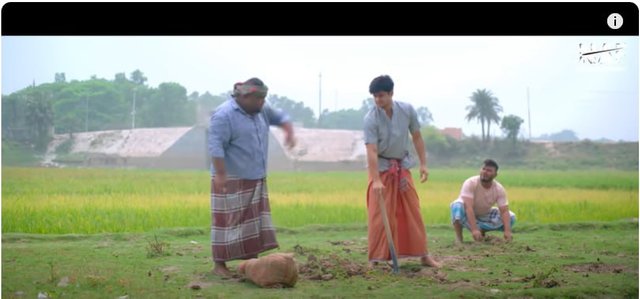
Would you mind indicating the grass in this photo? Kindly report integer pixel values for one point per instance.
(109, 233)
(68, 201)
(17, 154)
(577, 260)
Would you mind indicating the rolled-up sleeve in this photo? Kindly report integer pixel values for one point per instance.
(274, 116)
(370, 132)
(414, 124)
(219, 134)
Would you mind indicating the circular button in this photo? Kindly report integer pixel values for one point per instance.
(614, 21)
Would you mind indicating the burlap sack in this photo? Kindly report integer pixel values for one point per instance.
(272, 271)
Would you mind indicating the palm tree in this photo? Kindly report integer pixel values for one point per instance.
(485, 109)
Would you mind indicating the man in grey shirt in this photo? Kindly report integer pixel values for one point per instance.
(386, 132)
(238, 145)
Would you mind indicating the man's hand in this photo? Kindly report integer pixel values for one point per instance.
(290, 141)
(219, 183)
(377, 186)
(424, 174)
(507, 236)
(477, 235)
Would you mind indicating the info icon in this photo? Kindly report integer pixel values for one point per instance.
(614, 21)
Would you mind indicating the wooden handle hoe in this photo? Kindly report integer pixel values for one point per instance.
(387, 229)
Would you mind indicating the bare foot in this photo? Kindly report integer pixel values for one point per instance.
(221, 270)
(373, 265)
(430, 262)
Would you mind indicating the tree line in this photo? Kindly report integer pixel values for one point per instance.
(33, 114)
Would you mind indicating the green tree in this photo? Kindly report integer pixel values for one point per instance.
(168, 106)
(105, 108)
(60, 78)
(424, 116)
(345, 119)
(511, 126)
(564, 135)
(296, 110)
(485, 109)
(91, 105)
(436, 142)
(39, 117)
(366, 105)
(138, 77)
(205, 104)
(120, 78)
(13, 118)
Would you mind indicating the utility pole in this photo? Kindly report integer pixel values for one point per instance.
(319, 97)
(86, 118)
(529, 112)
(133, 110)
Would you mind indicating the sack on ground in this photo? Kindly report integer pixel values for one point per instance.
(272, 271)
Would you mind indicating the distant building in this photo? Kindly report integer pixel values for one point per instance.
(187, 148)
(455, 133)
(318, 149)
(180, 147)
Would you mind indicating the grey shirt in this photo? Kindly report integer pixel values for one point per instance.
(391, 135)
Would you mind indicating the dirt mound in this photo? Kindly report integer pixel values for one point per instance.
(330, 267)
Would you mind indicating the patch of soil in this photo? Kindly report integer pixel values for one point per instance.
(461, 263)
(491, 283)
(199, 282)
(197, 285)
(462, 284)
(350, 246)
(189, 250)
(493, 240)
(333, 266)
(595, 268)
(550, 283)
(330, 267)
(431, 273)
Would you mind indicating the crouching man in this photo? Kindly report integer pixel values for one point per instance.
(475, 207)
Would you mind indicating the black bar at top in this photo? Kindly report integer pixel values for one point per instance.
(317, 18)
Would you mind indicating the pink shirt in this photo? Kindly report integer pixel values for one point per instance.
(483, 199)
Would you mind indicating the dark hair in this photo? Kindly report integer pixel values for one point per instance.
(381, 83)
(492, 163)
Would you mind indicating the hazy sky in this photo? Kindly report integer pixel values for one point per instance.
(594, 100)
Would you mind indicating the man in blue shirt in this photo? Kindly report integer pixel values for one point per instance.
(238, 145)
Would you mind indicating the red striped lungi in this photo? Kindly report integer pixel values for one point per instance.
(241, 225)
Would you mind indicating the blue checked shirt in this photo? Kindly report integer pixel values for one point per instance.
(242, 139)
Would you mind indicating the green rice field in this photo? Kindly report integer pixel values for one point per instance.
(87, 201)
